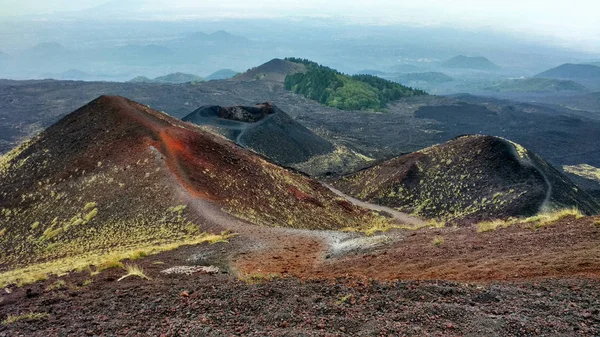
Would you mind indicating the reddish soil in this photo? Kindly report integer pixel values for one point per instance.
(565, 249)
(220, 305)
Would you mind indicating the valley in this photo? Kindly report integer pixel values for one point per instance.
(239, 207)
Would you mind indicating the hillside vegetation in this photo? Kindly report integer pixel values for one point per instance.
(332, 88)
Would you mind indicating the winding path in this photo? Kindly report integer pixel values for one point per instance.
(398, 216)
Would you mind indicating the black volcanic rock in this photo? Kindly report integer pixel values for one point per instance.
(274, 70)
(265, 129)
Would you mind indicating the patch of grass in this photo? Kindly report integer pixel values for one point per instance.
(92, 214)
(32, 278)
(108, 264)
(33, 272)
(343, 299)
(258, 278)
(134, 270)
(597, 223)
(138, 255)
(584, 170)
(548, 218)
(492, 225)
(438, 241)
(540, 220)
(383, 224)
(89, 206)
(87, 282)
(32, 316)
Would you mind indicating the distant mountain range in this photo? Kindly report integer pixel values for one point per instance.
(175, 78)
(537, 85)
(466, 62)
(572, 72)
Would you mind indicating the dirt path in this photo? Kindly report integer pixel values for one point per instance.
(399, 216)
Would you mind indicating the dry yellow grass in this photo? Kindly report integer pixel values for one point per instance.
(540, 220)
(584, 170)
(492, 225)
(548, 218)
(134, 270)
(382, 224)
(32, 316)
(39, 271)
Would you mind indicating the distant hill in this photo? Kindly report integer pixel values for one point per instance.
(175, 78)
(141, 79)
(466, 62)
(274, 70)
(116, 176)
(265, 129)
(371, 72)
(427, 77)
(334, 89)
(404, 68)
(222, 74)
(469, 178)
(572, 72)
(537, 85)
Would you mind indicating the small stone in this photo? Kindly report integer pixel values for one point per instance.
(185, 293)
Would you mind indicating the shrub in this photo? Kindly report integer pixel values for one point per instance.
(438, 240)
(134, 270)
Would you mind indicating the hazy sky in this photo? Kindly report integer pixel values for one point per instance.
(573, 20)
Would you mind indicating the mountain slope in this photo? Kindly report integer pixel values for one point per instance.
(265, 129)
(274, 70)
(466, 62)
(115, 175)
(469, 178)
(572, 72)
